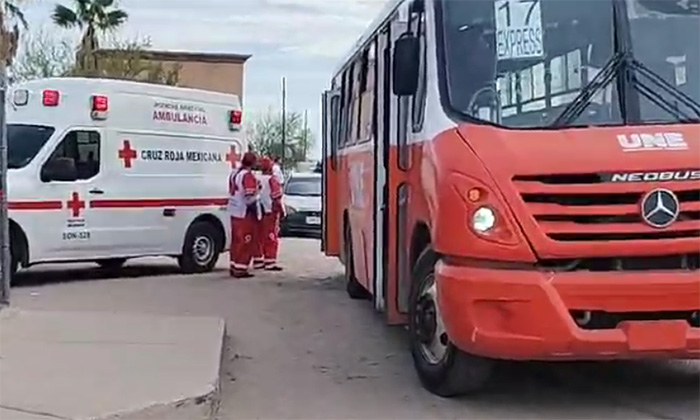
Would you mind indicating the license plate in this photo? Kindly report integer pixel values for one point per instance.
(655, 335)
(312, 220)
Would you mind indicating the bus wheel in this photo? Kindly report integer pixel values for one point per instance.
(352, 286)
(201, 250)
(443, 369)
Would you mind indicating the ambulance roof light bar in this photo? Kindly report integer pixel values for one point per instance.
(99, 107)
(20, 97)
(235, 119)
(50, 97)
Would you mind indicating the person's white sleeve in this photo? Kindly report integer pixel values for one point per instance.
(278, 174)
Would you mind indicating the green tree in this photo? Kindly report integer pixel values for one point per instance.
(265, 136)
(42, 55)
(126, 60)
(93, 18)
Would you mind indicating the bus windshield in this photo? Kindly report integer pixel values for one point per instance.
(24, 142)
(553, 63)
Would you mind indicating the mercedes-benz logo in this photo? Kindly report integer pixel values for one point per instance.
(660, 208)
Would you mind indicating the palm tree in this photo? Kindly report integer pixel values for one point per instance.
(91, 17)
(13, 12)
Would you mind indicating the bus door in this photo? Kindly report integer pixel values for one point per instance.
(330, 225)
(392, 126)
(381, 163)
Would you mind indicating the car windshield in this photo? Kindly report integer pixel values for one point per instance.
(24, 142)
(543, 63)
(309, 187)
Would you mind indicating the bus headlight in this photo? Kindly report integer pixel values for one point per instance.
(483, 220)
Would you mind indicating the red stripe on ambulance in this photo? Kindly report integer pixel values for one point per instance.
(158, 202)
(35, 205)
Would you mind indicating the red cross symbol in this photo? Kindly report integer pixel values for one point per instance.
(127, 154)
(75, 204)
(232, 156)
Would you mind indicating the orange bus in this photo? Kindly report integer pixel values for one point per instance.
(520, 180)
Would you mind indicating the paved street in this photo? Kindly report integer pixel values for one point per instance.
(300, 349)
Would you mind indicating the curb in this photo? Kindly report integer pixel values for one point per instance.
(201, 407)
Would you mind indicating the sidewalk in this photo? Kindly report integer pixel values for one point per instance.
(73, 365)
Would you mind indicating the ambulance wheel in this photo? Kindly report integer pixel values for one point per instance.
(442, 368)
(112, 263)
(352, 286)
(17, 254)
(201, 249)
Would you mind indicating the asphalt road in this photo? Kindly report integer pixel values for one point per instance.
(300, 349)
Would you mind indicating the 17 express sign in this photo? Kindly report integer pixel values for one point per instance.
(518, 29)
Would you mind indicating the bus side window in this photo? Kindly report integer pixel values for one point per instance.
(365, 129)
(418, 105)
(335, 129)
(348, 106)
(354, 102)
(342, 111)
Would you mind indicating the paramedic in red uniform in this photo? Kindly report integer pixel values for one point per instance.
(271, 201)
(242, 207)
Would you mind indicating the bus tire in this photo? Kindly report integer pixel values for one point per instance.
(442, 368)
(353, 287)
(201, 249)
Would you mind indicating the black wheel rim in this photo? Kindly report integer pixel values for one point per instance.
(429, 329)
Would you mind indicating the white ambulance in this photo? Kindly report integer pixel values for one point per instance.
(106, 170)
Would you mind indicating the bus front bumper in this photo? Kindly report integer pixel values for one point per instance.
(526, 314)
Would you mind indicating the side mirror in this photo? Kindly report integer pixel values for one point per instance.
(406, 60)
(59, 169)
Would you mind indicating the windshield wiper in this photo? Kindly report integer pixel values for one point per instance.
(664, 85)
(600, 81)
(624, 67)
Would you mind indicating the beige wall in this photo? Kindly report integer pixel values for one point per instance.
(218, 77)
(214, 72)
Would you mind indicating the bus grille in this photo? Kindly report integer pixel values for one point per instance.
(585, 208)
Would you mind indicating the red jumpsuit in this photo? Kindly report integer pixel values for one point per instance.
(271, 199)
(243, 189)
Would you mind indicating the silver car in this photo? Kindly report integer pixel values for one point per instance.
(302, 199)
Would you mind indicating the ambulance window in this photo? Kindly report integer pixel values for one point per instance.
(24, 142)
(83, 147)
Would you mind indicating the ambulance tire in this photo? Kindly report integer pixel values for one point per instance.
(353, 287)
(456, 373)
(112, 264)
(17, 253)
(200, 234)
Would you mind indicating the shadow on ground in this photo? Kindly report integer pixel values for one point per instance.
(40, 276)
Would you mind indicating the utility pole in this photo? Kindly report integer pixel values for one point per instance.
(5, 263)
(284, 122)
(306, 126)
